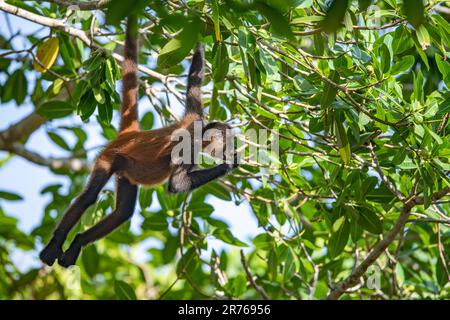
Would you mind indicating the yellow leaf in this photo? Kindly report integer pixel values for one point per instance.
(215, 14)
(46, 54)
(342, 141)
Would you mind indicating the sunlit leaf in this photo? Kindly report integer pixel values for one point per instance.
(46, 54)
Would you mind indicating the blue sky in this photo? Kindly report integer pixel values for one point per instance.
(28, 179)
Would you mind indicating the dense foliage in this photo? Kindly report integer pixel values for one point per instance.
(356, 93)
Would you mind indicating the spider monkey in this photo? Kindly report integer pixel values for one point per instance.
(137, 158)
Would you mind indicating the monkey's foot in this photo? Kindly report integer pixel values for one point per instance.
(50, 253)
(69, 257)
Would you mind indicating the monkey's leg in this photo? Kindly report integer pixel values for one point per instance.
(125, 203)
(183, 179)
(99, 177)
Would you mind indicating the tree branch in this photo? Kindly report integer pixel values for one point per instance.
(71, 163)
(383, 177)
(82, 5)
(379, 248)
(252, 281)
(80, 34)
(21, 130)
(12, 139)
(442, 9)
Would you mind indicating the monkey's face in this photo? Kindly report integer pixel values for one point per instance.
(217, 140)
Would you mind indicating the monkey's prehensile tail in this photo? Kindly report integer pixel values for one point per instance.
(129, 118)
(195, 80)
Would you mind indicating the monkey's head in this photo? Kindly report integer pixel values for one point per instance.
(216, 137)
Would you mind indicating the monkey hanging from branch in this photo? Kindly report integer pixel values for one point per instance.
(140, 157)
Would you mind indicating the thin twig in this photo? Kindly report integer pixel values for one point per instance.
(250, 278)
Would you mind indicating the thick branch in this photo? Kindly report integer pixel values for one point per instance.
(14, 137)
(72, 164)
(21, 130)
(379, 248)
(52, 23)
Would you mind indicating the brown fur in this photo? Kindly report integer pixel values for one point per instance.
(129, 117)
(147, 153)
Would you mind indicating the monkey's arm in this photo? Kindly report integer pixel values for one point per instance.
(184, 179)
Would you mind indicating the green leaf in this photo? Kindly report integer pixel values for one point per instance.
(109, 73)
(400, 274)
(334, 16)
(444, 28)
(418, 87)
(55, 109)
(330, 91)
(423, 36)
(443, 66)
(426, 193)
(90, 258)
(442, 165)
(385, 58)
(87, 105)
(99, 95)
(9, 196)
(355, 230)
(364, 4)
(441, 273)
(156, 222)
(170, 248)
(68, 52)
(214, 107)
(20, 86)
(200, 209)
(370, 221)
(145, 197)
(58, 140)
(226, 236)
(339, 237)
(215, 14)
(105, 111)
(291, 265)
(414, 10)
(187, 263)
(217, 190)
(221, 62)
(124, 291)
(15, 87)
(237, 286)
(179, 47)
(278, 22)
(272, 265)
(435, 136)
(381, 195)
(343, 144)
(147, 121)
(119, 9)
(263, 241)
(402, 40)
(404, 64)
